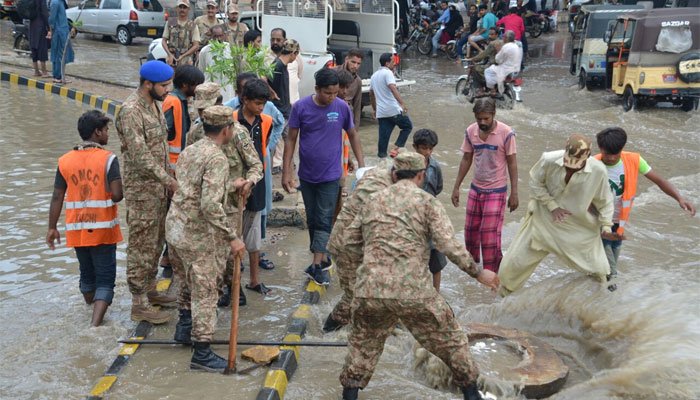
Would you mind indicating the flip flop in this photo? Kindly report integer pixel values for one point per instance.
(260, 288)
(266, 264)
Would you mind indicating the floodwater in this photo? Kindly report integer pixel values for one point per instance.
(640, 342)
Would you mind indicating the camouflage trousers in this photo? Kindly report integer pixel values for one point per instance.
(347, 275)
(146, 222)
(228, 273)
(431, 322)
(202, 271)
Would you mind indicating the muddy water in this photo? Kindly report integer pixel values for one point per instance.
(641, 342)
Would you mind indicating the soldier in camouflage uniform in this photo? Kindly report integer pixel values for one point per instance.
(198, 229)
(147, 180)
(243, 162)
(394, 229)
(181, 36)
(233, 28)
(348, 258)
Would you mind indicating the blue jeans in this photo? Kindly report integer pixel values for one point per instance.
(460, 43)
(386, 125)
(319, 202)
(98, 270)
(436, 40)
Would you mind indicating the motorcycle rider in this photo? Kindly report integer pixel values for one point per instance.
(442, 21)
(515, 22)
(508, 61)
(487, 21)
(487, 57)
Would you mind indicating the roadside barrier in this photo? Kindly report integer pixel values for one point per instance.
(108, 106)
(282, 370)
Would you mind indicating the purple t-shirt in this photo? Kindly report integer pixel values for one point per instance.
(320, 138)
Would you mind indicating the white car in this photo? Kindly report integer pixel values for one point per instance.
(123, 19)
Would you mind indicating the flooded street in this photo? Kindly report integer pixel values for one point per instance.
(640, 342)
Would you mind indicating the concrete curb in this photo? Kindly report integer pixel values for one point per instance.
(282, 370)
(109, 106)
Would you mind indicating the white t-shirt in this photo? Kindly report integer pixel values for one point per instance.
(387, 105)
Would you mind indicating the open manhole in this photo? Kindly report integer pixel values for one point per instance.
(507, 355)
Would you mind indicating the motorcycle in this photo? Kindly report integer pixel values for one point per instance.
(20, 33)
(535, 24)
(468, 86)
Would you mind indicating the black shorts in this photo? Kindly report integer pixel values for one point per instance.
(437, 261)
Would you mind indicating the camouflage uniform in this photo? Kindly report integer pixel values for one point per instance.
(142, 132)
(243, 162)
(197, 227)
(234, 34)
(348, 258)
(181, 36)
(204, 26)
(394, 229)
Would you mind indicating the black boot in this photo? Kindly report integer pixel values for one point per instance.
(183, 329)
(241, 298)
(350, 393)
(206, 360)
(331, 325)
(471, 392)
(225, 298)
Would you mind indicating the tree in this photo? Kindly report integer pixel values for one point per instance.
(229, 60)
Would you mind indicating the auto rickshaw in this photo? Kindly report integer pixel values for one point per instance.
(588, 46)
(654, 56)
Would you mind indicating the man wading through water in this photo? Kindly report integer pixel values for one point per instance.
(393, 285)
(147, 184)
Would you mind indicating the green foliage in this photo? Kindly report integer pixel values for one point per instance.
(77, 24)
(230, 60)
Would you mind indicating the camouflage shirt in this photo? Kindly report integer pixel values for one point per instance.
(234, 34)
(142, 131)
(373, 181)
(243, 160)
(395, 227)
(196, 216)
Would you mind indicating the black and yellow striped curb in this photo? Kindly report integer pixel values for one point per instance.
(125, 352)
(108, 106)
(282, 370)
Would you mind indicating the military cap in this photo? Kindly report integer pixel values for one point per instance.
(212, 3)
(232, 8)
(410, 161)
(206, 94)
(218, 116)
(578, 148)
(156, 71)
(290, 46)
(185, 3)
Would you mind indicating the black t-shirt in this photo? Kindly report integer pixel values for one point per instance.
(256, 200)
(113, 174)
(280, 84)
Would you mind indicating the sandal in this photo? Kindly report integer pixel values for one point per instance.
(260, 288)
(266, 264)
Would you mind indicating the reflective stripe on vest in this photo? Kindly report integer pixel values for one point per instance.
(91, 215)
(71, 205)
(346, 153)
(630, 163)
(266, 126)
(175, 145)
(92, 225)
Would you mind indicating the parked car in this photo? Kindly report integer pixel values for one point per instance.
(8, 10)
(123, 19)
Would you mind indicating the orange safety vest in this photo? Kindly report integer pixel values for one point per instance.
(630, 163)
(175, 145)
(91, 216)
(266, 129)
(346, 153)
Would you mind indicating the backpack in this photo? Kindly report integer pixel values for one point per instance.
(27, 9)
